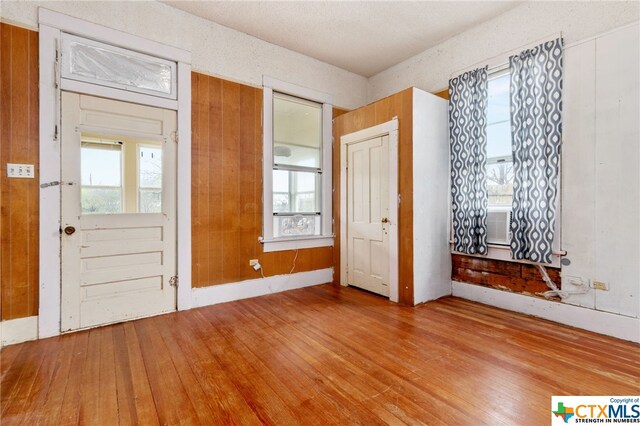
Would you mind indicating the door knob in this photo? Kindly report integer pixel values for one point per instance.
(69, 230)
(385, 220)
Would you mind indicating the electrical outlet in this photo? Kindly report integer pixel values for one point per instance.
(599, 285)
(19, 170)
(253, 262)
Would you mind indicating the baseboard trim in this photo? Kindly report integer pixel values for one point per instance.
(205, 296)
(622, 327)
(18, 330)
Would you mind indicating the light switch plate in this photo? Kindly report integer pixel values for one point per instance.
(19, 170)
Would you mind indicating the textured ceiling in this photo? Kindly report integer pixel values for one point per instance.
(360, 36)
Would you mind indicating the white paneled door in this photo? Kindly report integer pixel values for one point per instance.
(368, 215)
(118, 225)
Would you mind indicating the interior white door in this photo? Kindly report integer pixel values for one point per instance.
(118, 225)
(367, 215)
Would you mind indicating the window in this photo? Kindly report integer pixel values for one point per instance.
(297, 152)
(499, 153)
(98, 63)
(149, 179)
(122, 175)
(101, 177)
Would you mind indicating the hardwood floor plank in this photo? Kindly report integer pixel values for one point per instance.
(314, 356)
(71, 402)
(170, 396)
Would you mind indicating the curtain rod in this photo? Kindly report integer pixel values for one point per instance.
(496, 62)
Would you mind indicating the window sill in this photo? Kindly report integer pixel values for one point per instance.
(281, 244)
(503, 252)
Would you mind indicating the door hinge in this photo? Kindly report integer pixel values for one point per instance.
(174, 136)
(173, 281)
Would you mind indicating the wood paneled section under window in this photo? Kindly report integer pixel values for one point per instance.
(227, 188)
(399, 105)
(512, 276)
(18, 197)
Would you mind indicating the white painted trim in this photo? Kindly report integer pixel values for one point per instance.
(83, 28)
(295, 90)
(222, 293)
(296, 243)
(499, 252)
(183, 206)
(49, 201)
(51, 26)
(18, 330)
(119, 94)
(277, 244)
(622, 327)
(389, 128)
(267, 163)
(327, 171)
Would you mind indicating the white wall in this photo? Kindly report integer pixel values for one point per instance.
(431, 258)
(216, 50)
(431, 69)
(601, 169)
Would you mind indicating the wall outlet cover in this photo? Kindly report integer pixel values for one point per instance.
(15, 170)
(599, 285)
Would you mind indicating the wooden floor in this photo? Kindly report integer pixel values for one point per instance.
(320, 355)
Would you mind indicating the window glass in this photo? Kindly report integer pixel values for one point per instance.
(297, 131)
(150, 180)
(120, 175)
(106, 65)
(101, 177)
(295, 192)
(499, 153)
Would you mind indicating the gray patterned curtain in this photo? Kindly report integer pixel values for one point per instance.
(536, 128)
(468, 136)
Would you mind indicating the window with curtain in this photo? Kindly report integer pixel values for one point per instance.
(505, 133)
(468, 138)
(536, 129)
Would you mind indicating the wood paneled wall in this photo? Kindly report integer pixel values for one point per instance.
(227, 188)
(399, 105)
(18, 197)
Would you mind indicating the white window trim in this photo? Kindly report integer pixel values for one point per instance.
(51, 26)
(290, 243)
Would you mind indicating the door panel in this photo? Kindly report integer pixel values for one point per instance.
(118, 165)
(367, 207)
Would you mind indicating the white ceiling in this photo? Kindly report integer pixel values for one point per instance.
(364, 37)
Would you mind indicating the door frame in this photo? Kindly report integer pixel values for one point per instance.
(51, 25)
(390, 129)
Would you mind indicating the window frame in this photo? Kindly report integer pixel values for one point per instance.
(271, 243)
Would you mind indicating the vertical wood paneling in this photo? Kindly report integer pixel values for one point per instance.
(399, 105)
(227, 188)
(18, 197)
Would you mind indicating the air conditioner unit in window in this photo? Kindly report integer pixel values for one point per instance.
(499, 225)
